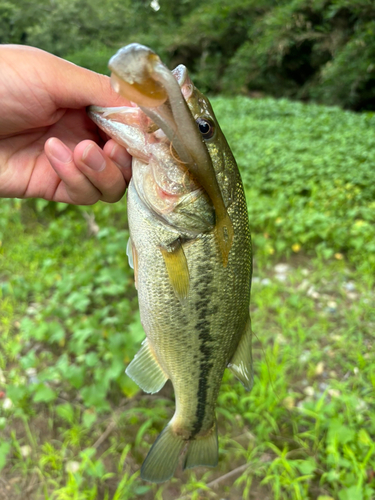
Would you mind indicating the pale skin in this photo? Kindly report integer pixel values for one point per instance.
(49, 148)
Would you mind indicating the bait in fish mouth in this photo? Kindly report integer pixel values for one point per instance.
(190, 248)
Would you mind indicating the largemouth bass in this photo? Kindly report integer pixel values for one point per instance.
(190, 247)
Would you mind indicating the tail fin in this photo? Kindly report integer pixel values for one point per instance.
(203, 450)
(162, 459)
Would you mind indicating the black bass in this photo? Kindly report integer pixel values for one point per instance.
(190, 248)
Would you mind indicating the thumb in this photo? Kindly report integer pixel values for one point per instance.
(68, 85)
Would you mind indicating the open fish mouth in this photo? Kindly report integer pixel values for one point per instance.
(139, 75)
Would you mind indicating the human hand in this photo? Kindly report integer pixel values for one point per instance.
(49, 148)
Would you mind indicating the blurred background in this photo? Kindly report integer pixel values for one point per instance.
(309, 50)
(293, 87)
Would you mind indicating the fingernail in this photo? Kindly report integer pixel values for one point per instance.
(93, 158)
(120, 156)
(60, 151)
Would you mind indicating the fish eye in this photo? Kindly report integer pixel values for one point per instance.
(206, 127)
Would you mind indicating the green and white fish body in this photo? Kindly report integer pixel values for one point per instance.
(191, 251)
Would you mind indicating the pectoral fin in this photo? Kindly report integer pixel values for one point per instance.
(131, 252)
(146, 371)
(241, 364)
(177, 267)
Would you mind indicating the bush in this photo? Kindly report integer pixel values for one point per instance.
(305, 49)
(309, 175)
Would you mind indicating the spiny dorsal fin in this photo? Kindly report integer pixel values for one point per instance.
(146, 371)
(177, 267)
(241, 364)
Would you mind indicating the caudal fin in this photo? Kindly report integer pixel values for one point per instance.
(203, 450)
(162, 459)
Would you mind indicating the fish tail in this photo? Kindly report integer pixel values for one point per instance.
(203, 450)
(162, 459)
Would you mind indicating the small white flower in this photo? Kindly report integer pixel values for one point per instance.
(281, 268)
(7, 404)
(311, 292)
(309, 391)
(280, 339)
(72, 466)
(25, 450)
(349, 286)
(319, 368)
(304, 356)
(281, 277)
(334, 393)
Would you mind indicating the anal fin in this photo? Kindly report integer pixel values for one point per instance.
(241, 364)
(203, 450)
(177, 267)
(145, 370)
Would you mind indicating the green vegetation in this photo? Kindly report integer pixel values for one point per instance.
(309, 173)
(73, 426)
(305, 49)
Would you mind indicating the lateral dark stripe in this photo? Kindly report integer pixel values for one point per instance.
(205, 290)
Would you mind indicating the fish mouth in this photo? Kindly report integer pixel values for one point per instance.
(165, 185)
(139, 75)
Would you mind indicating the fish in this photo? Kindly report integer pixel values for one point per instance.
(190, 247)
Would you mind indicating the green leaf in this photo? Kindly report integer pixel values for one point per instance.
(352, 493)
(305, 466)
(89, 418)
(75, 375)
(95, 395)
(44, 394)
(4, 450)
(66, 412)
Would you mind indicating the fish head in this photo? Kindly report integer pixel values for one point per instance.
(172, 103)
(214, 139)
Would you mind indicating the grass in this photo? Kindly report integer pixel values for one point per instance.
(73, 426)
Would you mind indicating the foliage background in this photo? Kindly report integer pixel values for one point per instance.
(307, 49)
(72, 425)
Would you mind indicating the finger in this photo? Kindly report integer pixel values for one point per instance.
(121, 157)
(75, 187)
(109, 177)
